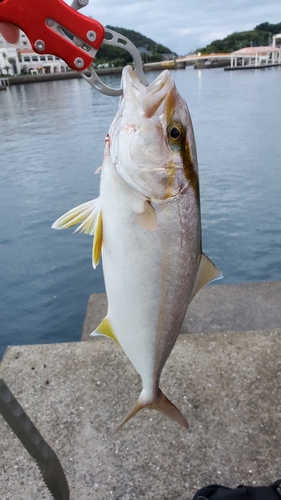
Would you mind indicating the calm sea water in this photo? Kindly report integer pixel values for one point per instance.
(52, 139)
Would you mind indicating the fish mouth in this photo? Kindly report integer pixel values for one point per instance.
(149, 100)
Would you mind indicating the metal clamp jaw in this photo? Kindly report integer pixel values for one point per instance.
(113, 38)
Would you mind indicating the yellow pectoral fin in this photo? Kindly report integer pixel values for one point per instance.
(98, 239)
(86, 214)
(105, 329)
(89, 215)
(147, 218)
(207, 272)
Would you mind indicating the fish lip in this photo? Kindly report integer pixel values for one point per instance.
(131, 81)
(149, 100)
(129, 77)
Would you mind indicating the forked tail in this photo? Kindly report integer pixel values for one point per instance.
(160, 403)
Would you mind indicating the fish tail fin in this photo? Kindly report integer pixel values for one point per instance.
(138, 406)
(165, 406)
(160, 403)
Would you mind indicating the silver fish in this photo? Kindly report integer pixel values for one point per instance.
(146, 223)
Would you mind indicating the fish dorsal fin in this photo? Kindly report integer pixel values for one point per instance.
(89, 217)
(106, 330)
(147, 217)
(207, 272)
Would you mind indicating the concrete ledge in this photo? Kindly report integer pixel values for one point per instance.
(216, 308)
(227, 385)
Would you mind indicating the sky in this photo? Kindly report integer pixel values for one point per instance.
(184, 25)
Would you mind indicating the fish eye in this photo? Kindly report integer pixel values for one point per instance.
(175, 132)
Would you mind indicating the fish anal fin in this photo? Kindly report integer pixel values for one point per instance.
(160, 403)
(98, 240)
(105, 329)
(207, 272)
(147, 217)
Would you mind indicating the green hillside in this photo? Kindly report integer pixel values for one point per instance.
(260, 35)
(153, 51)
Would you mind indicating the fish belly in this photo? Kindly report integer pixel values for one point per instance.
(149, 275)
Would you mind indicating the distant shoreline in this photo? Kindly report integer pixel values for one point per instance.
(48, 77)
(22, 79)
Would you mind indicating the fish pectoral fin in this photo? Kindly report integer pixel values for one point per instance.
(207, 272)
(87, 214)
(89, 217)
(98, 240)
(160, 403)
(106, 330)
(147, 217)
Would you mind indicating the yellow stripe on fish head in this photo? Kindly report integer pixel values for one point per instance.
(178, 141)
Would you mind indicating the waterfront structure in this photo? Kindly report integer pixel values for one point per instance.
(276, 40)
(255, 57)
(20, 58)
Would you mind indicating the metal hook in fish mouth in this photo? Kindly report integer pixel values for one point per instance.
(117, 40)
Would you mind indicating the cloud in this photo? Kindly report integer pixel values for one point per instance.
(184, 25)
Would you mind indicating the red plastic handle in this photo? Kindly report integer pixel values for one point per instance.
(31, 16)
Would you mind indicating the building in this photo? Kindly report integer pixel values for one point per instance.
(31, 62)
(256, 57)
(276, 40)
(20, 58)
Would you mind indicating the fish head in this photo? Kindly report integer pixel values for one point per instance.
(152, 142)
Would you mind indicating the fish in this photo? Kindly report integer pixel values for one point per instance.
(146, 225)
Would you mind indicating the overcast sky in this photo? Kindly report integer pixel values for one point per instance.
(184, 25)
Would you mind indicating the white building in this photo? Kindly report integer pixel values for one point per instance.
(31, 62)
(276, 40)
(20, 58)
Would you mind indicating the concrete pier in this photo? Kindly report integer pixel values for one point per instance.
(227, 384)
(216, 308)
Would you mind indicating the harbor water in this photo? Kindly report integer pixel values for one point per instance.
(52, 140)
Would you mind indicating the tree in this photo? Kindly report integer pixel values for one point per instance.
(273, 29)
(24, 70)
(12, 62)
(120, 57)
(260, 35)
